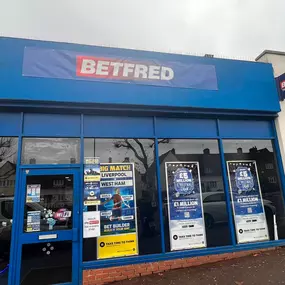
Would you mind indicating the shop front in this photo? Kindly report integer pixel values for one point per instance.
(112, 157)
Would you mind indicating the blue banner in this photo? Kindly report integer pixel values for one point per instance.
(186, 220)
(51, 63)
(247, 203)
(118, 199)
(91, 181)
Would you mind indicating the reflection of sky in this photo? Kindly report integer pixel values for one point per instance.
(51, 150)
(105, 149)
(189, 146)
(186, 146)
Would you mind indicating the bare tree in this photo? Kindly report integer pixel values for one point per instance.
(143, 153)
(7, 153)
(7, 148)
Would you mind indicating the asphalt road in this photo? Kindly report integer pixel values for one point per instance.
(260, 269)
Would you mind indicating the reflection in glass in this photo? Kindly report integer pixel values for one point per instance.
(8, 160)
(46, 263)
(50, 151)
(141, 152)
(206, 152)
(51, 208)
(262, 152)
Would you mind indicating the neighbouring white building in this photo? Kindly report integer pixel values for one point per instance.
(277, 59)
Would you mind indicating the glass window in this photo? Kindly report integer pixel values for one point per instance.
(51, 151)
(141, 153)
(8, 161)
(214, 198)
(7, 209)
(52, 206)
(262, 153)
(206, 153)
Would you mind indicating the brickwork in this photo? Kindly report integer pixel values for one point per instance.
(111, 274)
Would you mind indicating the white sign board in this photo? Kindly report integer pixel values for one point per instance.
(91, 224)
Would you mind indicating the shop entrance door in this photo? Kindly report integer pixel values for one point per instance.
(48, 239)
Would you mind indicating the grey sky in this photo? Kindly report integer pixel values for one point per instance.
(231, 28)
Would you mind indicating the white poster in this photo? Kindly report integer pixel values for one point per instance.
(33, 193)
(91, 224)
(185, 205)
(247, 202)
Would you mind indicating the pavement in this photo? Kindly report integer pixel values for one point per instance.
(260, 269)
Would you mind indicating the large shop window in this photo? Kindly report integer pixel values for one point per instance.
(195, 209)
(128, 199)
(8, 161)
(255, 190)
(51, 151)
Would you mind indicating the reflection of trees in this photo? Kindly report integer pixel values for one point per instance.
(143, 150)
(7, 153)
(7, 148)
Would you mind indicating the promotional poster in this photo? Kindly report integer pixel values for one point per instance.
(91, 181)
(118, 206)
(117, 246)
(91, 224)
(33, 193)
(33, 221)
(185, 206)
(247, 202)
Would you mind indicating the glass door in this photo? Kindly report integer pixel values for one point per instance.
(48, 238)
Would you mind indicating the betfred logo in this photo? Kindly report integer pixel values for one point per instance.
(282, 85)
(106, 68)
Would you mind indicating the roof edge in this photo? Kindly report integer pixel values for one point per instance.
(268, 51)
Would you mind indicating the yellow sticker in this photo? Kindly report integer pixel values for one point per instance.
(117, 246)
(91, 178)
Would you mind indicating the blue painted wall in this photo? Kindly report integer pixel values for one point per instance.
(242, 85)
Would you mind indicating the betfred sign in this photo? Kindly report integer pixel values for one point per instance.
(121, 70)
(61, 64)
(280, 83)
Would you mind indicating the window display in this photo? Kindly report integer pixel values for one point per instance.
(128, 196)
(185, 207)
(255, 167)
(205, 155)
(247, 202)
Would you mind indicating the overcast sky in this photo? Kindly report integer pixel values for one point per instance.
(231, 28)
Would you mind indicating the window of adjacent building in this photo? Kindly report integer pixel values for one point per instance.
(263, 154)
(206, 153)
(8, 161)
(51, 151)
(140, 152)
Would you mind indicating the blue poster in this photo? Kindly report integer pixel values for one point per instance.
(33, 221)
(118, 199)
(186, 218)
(33, 193)
(91, 181)
(247, 203)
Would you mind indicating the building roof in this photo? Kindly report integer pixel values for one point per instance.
(268, 51)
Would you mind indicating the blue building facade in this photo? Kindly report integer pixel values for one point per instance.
(145, 111)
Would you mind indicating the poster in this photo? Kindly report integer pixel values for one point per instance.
(33, 193)
(247, 203)
(91, 181)
(117, 246)
(91, 224)
(33, 221)
(185, 206)
(118, 204)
